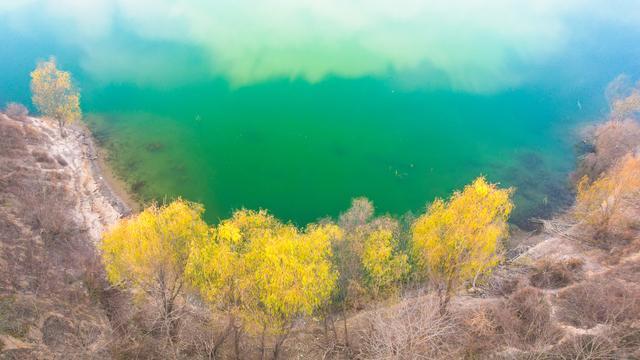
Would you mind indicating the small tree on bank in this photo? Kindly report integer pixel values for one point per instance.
(458, 240)
(54, 95)
(148, 253)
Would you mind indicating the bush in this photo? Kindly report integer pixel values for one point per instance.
(611, 141)
(47, 209)
(600, 301)
(16, 111)
(555, 274)
(607, 207)
(413, 329)
(479, 332)
(585, 347)
(524, 319)
(42, 157)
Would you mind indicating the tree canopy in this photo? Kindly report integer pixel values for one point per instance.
(54, 94)
(457, 240)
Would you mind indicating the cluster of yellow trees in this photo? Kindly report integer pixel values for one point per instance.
(264, 274)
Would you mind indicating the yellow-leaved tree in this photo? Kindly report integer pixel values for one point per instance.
(54, 94)
(460, 239)
(368, 259)
(148, 253)
(605, 205)
(217, 268)
(262, 273)
(384, 266)
(292, 276)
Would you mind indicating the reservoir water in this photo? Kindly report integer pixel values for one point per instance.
(298, 107)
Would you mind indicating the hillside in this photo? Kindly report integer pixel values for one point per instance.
(53, 208)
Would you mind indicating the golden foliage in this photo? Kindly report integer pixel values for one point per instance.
(54, 94)
(217, 266)
(611, 141)
(606, 204)
(149, 251)
(265, 271)
(457, 240)
(368, 256)
(290, 272)
(383, 264)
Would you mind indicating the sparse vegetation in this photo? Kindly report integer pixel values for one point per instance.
(554, 274)
(16, 111)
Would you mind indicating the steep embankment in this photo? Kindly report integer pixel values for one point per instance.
(53, 207)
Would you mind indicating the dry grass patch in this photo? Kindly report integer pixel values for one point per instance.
(555, 274)
(601, 301)
(413, 329)
(525, 319)
(16, 111)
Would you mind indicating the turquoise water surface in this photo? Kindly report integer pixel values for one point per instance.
(320, 104)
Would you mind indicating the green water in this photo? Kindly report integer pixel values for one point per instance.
(303, 151)
(326, 121)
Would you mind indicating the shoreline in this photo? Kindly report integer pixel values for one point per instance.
(111, 186)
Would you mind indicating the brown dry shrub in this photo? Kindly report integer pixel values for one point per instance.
(141, 347)
(611, 141)
(413, 329)
(42, 157)
(555, 274)
(627, 106)
(584, 347)
(16, 111)
(608, 207)
(46, 208)
(524, 319)
(32, 135)
(478, 332)
(205, 334)
(13, 142)
(618, 342)
(628, 271)
(15, 316)
(598, 301)
(503, 281)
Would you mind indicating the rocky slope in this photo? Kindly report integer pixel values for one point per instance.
(53, 207)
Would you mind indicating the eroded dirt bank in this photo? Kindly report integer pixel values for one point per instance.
(54, 204)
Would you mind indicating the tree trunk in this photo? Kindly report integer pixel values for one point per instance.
(63, 133)
(223, 336)
(237, 331)
(262, 349)
(346, 331)
(279, 341)
(446, 298)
